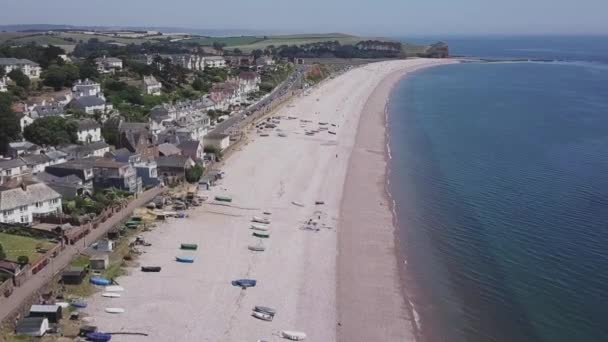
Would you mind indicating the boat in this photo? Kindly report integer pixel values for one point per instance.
(98, 337)
(114, 288)
(267, 213)
(100, 281)
(221, 198)
(110, 295)
(261, 234)
(264, 135)
(282, 135)
(244, 283)
(78, 303)
(188, 260)
(257, 248)
(293, 335)
(189, 246)
(259, 227)
(265, 309)
(297, 203)
(262, 316)
(322, 123)
(260, 220)
(150, 268)
(114, 310)
(331, 132)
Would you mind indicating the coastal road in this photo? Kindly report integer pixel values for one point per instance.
(11, 305)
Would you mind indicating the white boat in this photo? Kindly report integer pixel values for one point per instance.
(114, 288)
(115, 310)
(261, 227)
(297, 203)
(293, 335)
(260, 220)
(110, 295)
(257, 248)
(263, 316)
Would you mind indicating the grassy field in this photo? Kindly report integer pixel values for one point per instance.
(15, 246)
(300, 40)
(229, 41)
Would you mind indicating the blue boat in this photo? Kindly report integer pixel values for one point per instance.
(81, 304)
(98, 337)
(184, 259)
(244, 283)
(100, 281)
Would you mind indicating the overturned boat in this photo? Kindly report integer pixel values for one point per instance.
(263, 235)
(263, 316)
(187, 260)
(150, 268)
(262, 220)
(221, 198)
(293, 335)
(244, 283)
(259, 227)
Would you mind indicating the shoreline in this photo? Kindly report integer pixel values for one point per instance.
(401, 321)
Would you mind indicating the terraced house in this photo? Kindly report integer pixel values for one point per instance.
(24, 200)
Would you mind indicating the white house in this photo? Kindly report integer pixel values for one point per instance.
(86, 88)
(88, 131)
(217, 140)
(264, 61)
(215, 62)
(90, 104)
(21, 202)
(12, 168)
(37, 163)
(106, 65)
(3, 81)
(152, 86)
(249, 81)
(29, 68)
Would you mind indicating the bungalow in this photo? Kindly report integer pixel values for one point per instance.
(88, 131)
(215, 62)
(21, 201)
(106, 65)
(29, 68)
(152, 86)
(12, 168)
(109, 173)
(86, 88)
(193, 149)
(218, 141)
(91, 104)
(173, 168)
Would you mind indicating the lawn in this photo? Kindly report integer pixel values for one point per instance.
(15, 246)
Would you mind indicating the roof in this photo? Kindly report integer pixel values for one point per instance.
(248, 75)
(190, 147)
(45, 308)
(108, 59)
(121, 153)
(54, 155)
(52, 109)
(151, 81)
(86, 82)
(174, 161)
(214, 58)
(168, 149)
(213, 135)
(35, 159)
(76, 164)
(89, 101)
(108, 163)
(22, 145)
(12, 197)
(30, 325)
(16, 61)
(50, 179)
(133, 126)
(10, 164)
(87, 124)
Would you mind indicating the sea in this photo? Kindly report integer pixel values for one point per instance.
(499, 174)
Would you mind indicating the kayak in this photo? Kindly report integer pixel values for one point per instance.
(244, 282)
(261, 234)
(98, 337)
(150, 268)
(100, 281)
(263, 316)
(188, 260)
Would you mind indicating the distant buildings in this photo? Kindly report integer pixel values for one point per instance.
(106, 65)
(22, 200)
(152, 86)
(29, 68)
(215, 62)
(91, 104)
(12, 168)
(86, 88)
(217, 141)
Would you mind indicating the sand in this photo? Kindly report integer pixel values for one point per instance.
(298, 272)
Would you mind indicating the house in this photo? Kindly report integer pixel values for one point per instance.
(13, 168)
(3, 84)
(218, 141)
(249, 81)
(23, 200)
(152, 86)
(136, 137)
(225, 92)
(94, 149)
(88, 131)
(32, 326)
(109, 173)
(264, 61)
(173, 168)
(80, 168)
(146, 169)
(18, 148)
(106, 65)
(241, 60)
(36, 163)
(46, 109)
(51, 312)
(167, 149)
(86, 88)
(29, 68)
(193, 149)
(68, 186)
(215, 62)
(91, 104)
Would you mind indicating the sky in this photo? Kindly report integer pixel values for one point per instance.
(364, 17)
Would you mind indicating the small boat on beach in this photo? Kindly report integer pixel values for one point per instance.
(114, 310)
(110, 295)
(150, 268)
(262, 220)
(98, 337)
(262, 316)
(187, 260)
(293, 335)
(189, 246)
(264, 235)
(222, 198)
(78, 303)
(244, 283)
(297, 203)
(260, 227)
(256, 248)
(331, 132)
(100, 281)
(265, 309)
(114, 288)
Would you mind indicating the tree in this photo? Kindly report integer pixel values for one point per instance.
(23, 260)
(194, 173)
(9, 123)
(60, 76)
(257, 53)
(2, 254)
(88, 69)
(218, 45)
(51, 131)
(19, 78)
(237, 51)
(2, 72)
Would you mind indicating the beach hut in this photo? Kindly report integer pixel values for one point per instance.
(73, 275)
(99, 262)
(32, 326)
(51, 312)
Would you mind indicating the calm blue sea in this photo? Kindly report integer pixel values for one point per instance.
(500, 176)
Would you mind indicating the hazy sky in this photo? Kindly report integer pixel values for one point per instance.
(372, 17)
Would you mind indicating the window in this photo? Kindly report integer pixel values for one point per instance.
(55, 200)
(8, 213)
(38, 204)
(23, 208)
(9, 172)
(24, 219)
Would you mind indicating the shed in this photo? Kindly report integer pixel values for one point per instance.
(99, 262)
(105, 245)
(32, 326)
(73, 275)
(52, 312)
